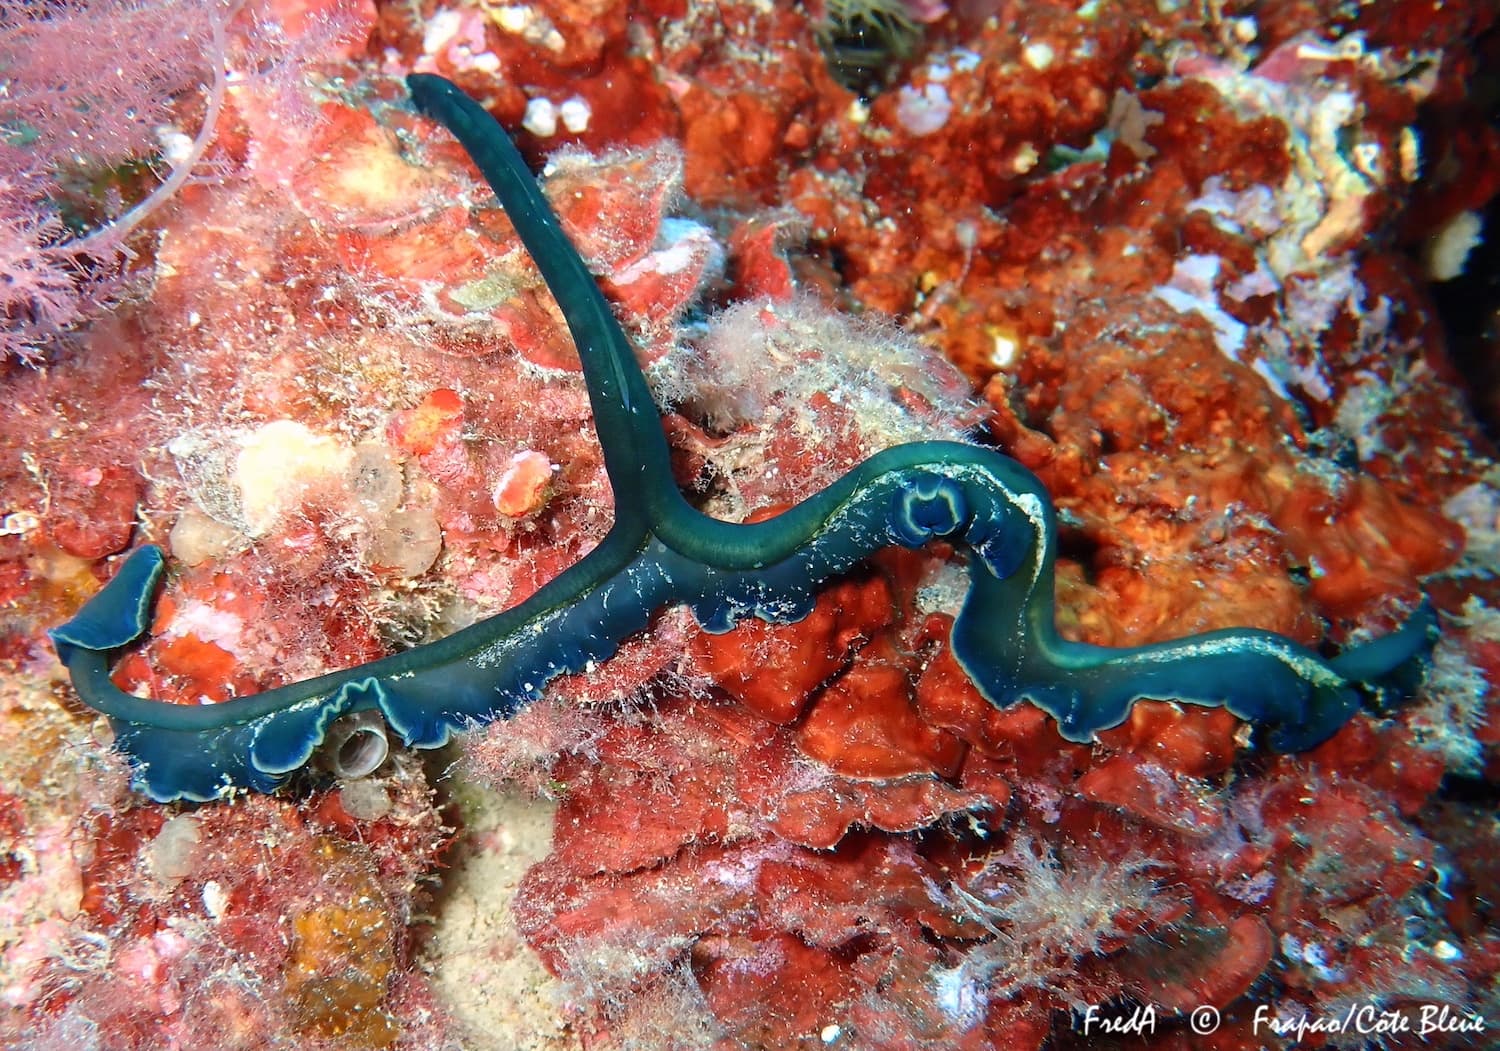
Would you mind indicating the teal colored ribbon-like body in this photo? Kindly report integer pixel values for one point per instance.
(663, 551)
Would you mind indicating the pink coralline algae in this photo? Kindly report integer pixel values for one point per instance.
(1173, 258)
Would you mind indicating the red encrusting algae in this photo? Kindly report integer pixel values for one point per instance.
(1171, 259)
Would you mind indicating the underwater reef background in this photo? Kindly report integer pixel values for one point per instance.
(1213, 271)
